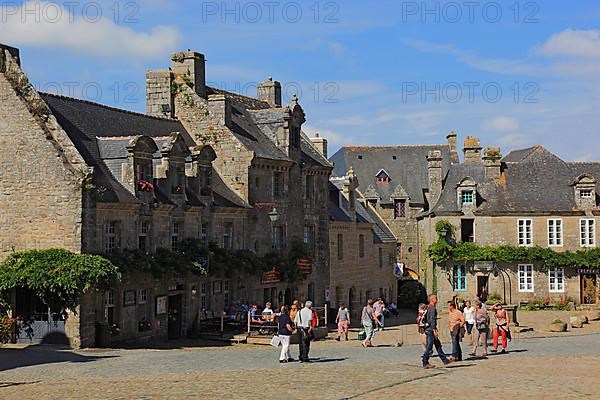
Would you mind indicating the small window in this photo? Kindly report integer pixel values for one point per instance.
(142, 296)
(204, 234)
(586, 193)
(394, 158)
(203, 296)
(525, 278)
(340, 246)
(228, 235)
(226, 293)
(467, 198)
(360, 157)
(309, 187)
(361, 246)
(587, 233)
(525, 232)
(110, 236)
(372, 202)
(556, 280)
(309, 237)
(382, 178)
(555, 232)
(143, 236)
(459, 278)
(380, 257)
(175, 236)
(279, 238)
(399, 209)
(277, 185)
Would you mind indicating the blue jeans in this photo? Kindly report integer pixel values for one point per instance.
(431, 341)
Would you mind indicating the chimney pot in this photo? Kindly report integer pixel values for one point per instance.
(193, 65)
(472, 151)
(270, 92)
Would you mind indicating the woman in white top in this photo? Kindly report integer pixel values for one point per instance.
(469, 317)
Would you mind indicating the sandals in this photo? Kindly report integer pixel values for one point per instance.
(473, 354)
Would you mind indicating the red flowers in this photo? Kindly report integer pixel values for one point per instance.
(145, 186)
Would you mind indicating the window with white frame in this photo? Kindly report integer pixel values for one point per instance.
(309, 236)
(203, 296)
(176, 231)
(467, 197)
(587, 232)
(556, 279)
(526, 278)
(226, 293)
(204, 234)
(586, 193)
(555, 232)
(459, 278)
(109, 306)
(525, 232)
(228, 235)
(111, 236)
(142, 296)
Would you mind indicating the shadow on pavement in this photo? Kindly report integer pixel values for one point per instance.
(38, 355)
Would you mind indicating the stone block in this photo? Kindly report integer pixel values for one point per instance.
(593, 315)
(576, 322)
(558, 327)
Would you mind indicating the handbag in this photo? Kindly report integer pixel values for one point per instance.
(362, 335)
(481, 326)
(275, 341)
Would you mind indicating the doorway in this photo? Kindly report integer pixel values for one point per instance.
(589, 288)
(174, 317)
(482, 287)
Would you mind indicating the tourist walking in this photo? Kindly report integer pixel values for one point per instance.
(456, 321)
(502, 327)
(469, 319)
(480, 331)
(431, 333)
(379, 308)
(343, 321)
(421, 324)
(369, 322)
(285, 330)
(305, 331)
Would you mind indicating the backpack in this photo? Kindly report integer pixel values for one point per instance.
(422, 320)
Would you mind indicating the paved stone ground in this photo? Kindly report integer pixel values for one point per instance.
(536, 368)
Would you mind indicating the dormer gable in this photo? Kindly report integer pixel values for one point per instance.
(138, 172)
(584, 190)
(171, 169)
(466, 194)
(383, 178)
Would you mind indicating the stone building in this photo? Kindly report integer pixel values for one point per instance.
(398, 182)
(530, 197)
(264, 157)
(363, 249)
(204, 165)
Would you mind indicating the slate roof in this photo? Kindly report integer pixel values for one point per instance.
(365, 215)
(101, 135)
(406, 165)
(533, 182)
(517, 155)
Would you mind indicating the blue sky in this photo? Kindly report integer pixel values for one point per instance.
(384, 72)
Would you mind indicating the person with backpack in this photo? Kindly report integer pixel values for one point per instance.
(369, 322)
(480, 331)
(431, 332)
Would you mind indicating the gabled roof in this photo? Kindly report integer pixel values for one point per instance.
(405, 165)
(540, 183)
(101, 134)
(518, 155)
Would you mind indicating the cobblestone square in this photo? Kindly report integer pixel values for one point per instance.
(534, 368)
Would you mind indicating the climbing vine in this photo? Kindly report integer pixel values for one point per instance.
(441, 251)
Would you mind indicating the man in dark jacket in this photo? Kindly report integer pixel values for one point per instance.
(431, 333)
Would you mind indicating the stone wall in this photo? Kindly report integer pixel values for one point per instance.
(363, 275)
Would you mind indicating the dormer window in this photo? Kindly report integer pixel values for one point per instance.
(585, 191)
(382, 178)
(179, 186)
(467, 193)
(140, 153)
(467, 198)
(143, 176)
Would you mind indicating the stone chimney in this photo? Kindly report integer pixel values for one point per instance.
(269, 91)
(320, 143)
(451, 138)
(159, 99)
(434, 175)
(491, 162)
(219, 108)
(350, 186)
(472, 151)
(190, 65)
(14, 52)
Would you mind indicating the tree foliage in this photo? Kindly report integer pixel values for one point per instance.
(57, 273)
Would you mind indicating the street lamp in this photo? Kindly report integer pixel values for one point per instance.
(443, 232)
(274, 215)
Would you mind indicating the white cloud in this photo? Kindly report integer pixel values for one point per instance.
(514, 141)
(335, 140)
(502, 124)
(54, 27)
(572, 43)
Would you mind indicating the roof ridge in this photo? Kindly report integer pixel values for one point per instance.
(240, 96)
(74, 99)
(404, 146)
